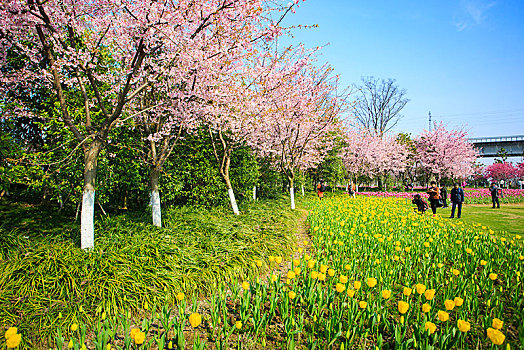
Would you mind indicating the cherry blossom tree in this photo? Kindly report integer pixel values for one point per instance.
(300, 113)
(107, 53)
(370, 154)
(446, 153)
(520, 170)
(501, 171)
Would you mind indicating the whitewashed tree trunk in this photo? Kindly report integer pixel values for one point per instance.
(292, 194)
(87, 229)
(303, 193)
(156, 209)
(254, 193)
(233, 201)
(87, 218)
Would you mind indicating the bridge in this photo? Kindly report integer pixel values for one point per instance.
(490, 146)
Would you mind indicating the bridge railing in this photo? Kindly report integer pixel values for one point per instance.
(497, 139)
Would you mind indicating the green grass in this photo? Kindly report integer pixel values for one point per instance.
(507, 221)
(46, 281)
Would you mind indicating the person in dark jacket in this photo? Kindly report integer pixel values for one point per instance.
(421, 203)
(495, 190)
(444, 196)
(457, 198)
(434, 196)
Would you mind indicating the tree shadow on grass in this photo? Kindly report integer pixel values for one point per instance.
(37, 220)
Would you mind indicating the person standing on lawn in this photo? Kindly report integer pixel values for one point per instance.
(444, 196)
(434, 195)
(457, 198)
(494, 190)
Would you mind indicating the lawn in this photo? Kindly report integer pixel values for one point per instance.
(508, 220)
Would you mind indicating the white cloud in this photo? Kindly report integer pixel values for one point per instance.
(471, 13)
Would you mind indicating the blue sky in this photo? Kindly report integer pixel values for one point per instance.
(463, 60)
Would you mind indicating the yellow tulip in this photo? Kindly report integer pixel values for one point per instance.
(449, 304)
(340, 287)
(10, 331)
(71, 344)
(371, 282)
(463, 326)
(297, 271)
(321, 277)
(420, 288)
(180, 296)
(493, 276)
(311, 264)
(343, 279)
(429, 294)
(245, 285)
(296, 262)
(386, 293)
(403, 307)
(362, 304)
(443, 315)
(357, 284)
(292, 294)
(195, 319)
(139, 338)
(483, 262)
(238, 324)
(458, 301)
(350, 293)
(331, 272)
(278, 259)
(323, 268)
(290, 275)
(13, 341)
(426, 308)
(407, 291)
(455, 272)
(496, 336)
(430, 327)
(74, 327)
(314, 275)
(497, 324)
(133, 333)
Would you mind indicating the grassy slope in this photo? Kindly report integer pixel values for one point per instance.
(44, 273)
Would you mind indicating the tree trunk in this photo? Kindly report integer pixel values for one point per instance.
(292, 191)
(87, 231)
(303, 192)
(230, 192)
(254, 193)
(156, 209)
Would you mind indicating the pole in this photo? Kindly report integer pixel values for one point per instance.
(429, 121)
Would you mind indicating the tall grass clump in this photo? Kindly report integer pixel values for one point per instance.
(48, 282)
